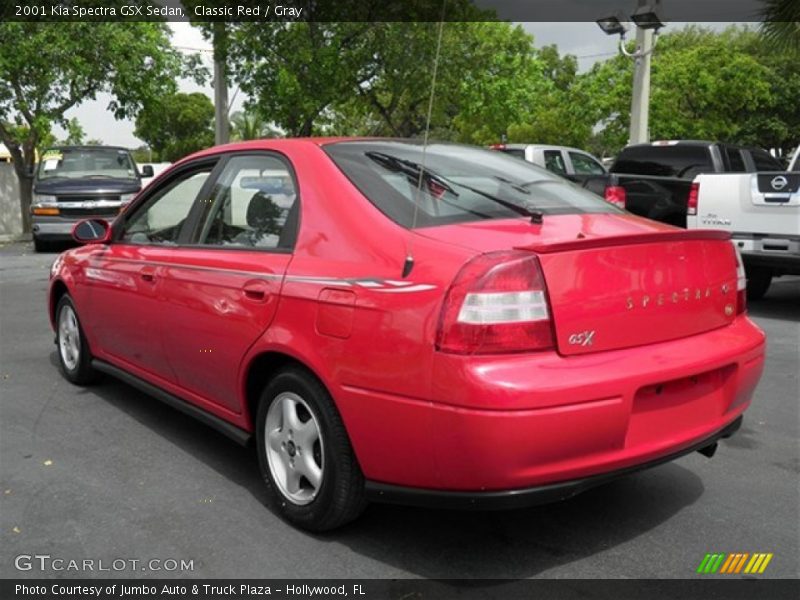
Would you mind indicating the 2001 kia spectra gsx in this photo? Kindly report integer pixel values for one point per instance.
(473, 332)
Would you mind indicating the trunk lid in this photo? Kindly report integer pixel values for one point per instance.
(618, 281)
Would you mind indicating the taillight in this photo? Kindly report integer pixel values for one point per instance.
(496, 304)
(741, 281)
(691, 201)
(615, 194)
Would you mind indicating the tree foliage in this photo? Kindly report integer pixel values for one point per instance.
(47, 69)
(177, 125)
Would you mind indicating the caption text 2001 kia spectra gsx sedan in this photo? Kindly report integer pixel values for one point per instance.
(438, 325)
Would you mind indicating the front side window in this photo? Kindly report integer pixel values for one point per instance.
(160, 219)
(456, 184)
(251, 205)
(585, 165)
(86, 162)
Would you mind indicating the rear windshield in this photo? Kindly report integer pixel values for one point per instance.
(665, 161)
(459, 183)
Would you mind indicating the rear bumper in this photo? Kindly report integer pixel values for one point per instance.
(781, 253)
(521, 498)
(514, 422)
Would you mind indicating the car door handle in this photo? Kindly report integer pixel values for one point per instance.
(148, 274)
(256, 290)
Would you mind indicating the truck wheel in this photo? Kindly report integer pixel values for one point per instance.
(41, 245)
(758, 280)
(304, 454)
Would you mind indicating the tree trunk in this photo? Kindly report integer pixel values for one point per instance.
(25, 196)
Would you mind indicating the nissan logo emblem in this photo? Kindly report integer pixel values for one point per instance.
(779, 182)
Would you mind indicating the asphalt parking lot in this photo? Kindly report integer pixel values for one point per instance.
(109, 473)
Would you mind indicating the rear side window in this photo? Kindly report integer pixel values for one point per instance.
(458, 183)
(735, 160)
(251, 205)
(516, 152)
(684, 161)
(554, 161)
(765, 162)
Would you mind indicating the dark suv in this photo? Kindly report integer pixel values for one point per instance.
(75, 182)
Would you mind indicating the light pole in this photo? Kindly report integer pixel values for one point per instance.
(647, 25)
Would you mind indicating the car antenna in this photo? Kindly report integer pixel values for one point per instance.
(408, 265)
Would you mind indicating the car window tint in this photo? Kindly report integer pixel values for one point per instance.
(251, 205)
(735, 160)
(554, 161)
(160, 219)
(685, 161)
(765, 162)
(457, 184)
(586, 165)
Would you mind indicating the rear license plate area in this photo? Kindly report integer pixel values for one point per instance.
(666, 409)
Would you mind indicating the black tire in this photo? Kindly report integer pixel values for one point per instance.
(758, 282)
(81, 373)
(340, 496)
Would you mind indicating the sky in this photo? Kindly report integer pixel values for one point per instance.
(584, 40)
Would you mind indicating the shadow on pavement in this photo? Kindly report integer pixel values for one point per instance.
(782, 301)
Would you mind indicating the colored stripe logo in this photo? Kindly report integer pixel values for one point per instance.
(735, 562)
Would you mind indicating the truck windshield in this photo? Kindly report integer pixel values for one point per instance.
(458, 183)
(75, 163)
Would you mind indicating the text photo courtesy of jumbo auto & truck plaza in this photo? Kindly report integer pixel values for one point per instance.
(425, 299)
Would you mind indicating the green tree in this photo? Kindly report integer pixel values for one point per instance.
(48, 68)
(728, 86)
(75, 133)
(781, 26)
(177, 125)
(249, 125)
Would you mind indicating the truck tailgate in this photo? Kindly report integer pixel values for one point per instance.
(761, 204)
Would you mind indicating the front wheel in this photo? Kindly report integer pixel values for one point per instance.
(758, 282)
(74, 357)
(305, 456)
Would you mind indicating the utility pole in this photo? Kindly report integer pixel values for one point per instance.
(221, 126)
(648, 23)
(640, 101)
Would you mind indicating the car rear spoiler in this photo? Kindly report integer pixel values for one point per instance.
(585, 243)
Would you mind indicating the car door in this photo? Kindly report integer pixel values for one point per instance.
(554, 162)
(584, 168)
(222, 288)
(123, 278)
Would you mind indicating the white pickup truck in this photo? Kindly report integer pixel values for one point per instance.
(762, 211)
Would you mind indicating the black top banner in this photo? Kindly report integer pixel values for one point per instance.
(384, 10)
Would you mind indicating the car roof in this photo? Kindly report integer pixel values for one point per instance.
(85, 147)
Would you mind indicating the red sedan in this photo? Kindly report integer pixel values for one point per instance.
(438, 325)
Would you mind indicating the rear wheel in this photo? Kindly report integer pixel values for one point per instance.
(73, 351)
(305, 455)
(758, 282)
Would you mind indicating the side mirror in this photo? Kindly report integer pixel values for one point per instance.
(147, 171)
(92, 231)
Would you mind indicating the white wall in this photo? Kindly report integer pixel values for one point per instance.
(10, 215)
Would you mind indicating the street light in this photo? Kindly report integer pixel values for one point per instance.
(648, 23)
